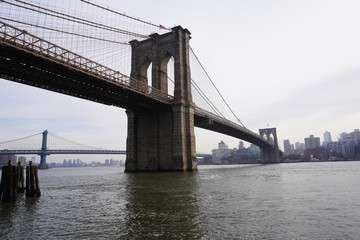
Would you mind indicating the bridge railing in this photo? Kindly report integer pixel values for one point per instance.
(31, 43)
(203, 113)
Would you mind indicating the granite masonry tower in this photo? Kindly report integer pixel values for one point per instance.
(162, 139)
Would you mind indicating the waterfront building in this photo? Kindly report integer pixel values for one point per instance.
(4, 159)
(355, 134)
(241, 145)
(344, 148)
(22, 160)
(287, 147)
(252, 152)
(223, 151)
(312, 142)
(327, 138)
(345, 136)
(299, 148)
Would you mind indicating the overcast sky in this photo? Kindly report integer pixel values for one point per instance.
(293, 65)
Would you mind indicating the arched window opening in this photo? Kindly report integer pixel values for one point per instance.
(149, 75)
(167, 76)
(265, 136)
(271, 138)
(146, 72)
(171, 76)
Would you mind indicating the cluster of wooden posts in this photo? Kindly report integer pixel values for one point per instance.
(12, 182)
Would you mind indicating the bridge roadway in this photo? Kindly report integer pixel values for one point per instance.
(27, 59)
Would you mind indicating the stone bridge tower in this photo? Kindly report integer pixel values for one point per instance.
(162, 139)
(270, 155)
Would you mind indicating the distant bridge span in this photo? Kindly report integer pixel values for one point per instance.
(51, 152)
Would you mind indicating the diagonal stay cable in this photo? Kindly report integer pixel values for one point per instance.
(206, 99)
(203, 96)
(217, 90)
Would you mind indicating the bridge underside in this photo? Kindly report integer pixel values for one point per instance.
(215, 126)
(24, 67)
(269, 154)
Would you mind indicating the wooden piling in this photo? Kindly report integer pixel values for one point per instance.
(8, 186)
(12, 182)
(32, 181)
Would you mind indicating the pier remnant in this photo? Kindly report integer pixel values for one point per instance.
(32, 181)
(12, 182)
(8, 186)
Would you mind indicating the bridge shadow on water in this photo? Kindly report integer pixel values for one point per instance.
(162, 206)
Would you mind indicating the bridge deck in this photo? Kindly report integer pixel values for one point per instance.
(30, 60)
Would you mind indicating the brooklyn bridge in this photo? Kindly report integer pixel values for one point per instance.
(161, 122)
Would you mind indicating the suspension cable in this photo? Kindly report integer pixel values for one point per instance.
(216, 87)
(73, 19)
(18, 139)
(206, 99)
(202, 95)
(69, 141)
(65, 32)
(123, 15)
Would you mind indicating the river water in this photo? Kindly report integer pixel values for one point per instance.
(281, 201)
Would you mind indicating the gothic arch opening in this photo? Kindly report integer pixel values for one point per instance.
(167, 74)
(149, 74)
(171, 76)
(264, 136)
(271, 138)
(146, 72)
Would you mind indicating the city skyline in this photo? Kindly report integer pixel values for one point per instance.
(297, 75)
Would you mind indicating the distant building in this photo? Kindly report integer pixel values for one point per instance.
(355, 134)
(22, 160)
(223, 151)
(299, 148)
(312, 142)
(316, 154)
(252, 152)
(345, 136)
(344, 148)
(287, 147)
(241, 145)
(327, 138)
(4, 159)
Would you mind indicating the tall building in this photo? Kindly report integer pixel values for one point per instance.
(345, 136)
(252, 152)
(22, 160)
(355, 134)
(222, 145)
(327, 137)
(241, 145)
(312, 142)
(4, 160)
(222, 152)
(287, 147)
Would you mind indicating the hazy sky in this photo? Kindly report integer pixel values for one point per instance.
(293, 65)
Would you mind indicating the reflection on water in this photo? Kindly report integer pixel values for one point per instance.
(162, 206)
(283, 201)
